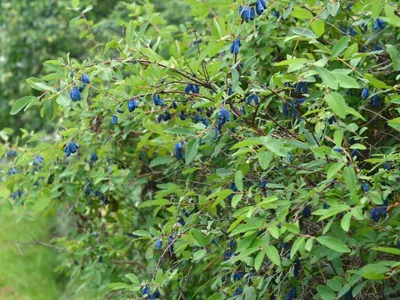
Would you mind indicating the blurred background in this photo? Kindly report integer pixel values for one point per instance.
(31, 32)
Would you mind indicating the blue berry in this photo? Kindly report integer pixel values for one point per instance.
(306, 211)
(179, 151)
(364, 187)
(85, 79)
(132, 105)
(114, 120)
(378, 212)
(73, 146)
(379, 24)
(235, 47)
(291, 295)
(238, 291)
(365, 93)
(94, 157)
(157, 100)
(75, 94)
(158, 244)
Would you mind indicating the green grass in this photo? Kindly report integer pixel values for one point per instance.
(26, 270)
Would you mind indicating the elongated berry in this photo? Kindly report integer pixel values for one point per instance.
(285, 109)
(252, 14)
(306, 211)
(85, 79)
(73, 146)
(364, 187)
(67, 150)
(376, 101)
(379, 24)
(114, 120)
(188, 88)
(179, 151)
(94, 157)
(235, 47)
(365, 93)
(182, 116)
(378, 212)
(132, 105)
(157, 100)
(291, 295)
(158, 244)
(75, 94)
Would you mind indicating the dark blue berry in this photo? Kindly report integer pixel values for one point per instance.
(94, 157)
(235, 47)
(158, 244)
(132, 105)
(306, 211)
(85, 79)
(75, 94)
(179, 151)
(114, 120)
(365, 93)
(364, 186)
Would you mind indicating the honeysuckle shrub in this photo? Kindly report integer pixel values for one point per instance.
(251, 152)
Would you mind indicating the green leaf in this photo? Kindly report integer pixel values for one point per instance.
(334, 169)
(340, 46)
(129, 34)
(149, 203)
(334, 244)
(142, 233)
(258, 260)
(239, 180)
(328, 78)
(75, 4)
(395, 123)
(345, 223)
(391, 16)
(301, 13)
(179, 130)
(389, 250)
(350, 51)
(141, 32)
(346, 81)
(198, 237)
(318, 27)
(132, 278)
(274, 231)
(298, 243)
(265, 158)
(38, 84)
(303, 32)
(161, 160)
(191, 150)
(273, 254)
(336, 103)
(377, 6)
(376, 83)
(64, 99)
(395, 56)
(325, 293)
(118, 286)
(21, 103)
(220, 195)
(333, 8)
(236, 199)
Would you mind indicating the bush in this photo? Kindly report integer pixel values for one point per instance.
(250, 152)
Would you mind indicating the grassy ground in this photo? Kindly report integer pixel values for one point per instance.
(26, 270)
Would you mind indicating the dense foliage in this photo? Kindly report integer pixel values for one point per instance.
(245, 150)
